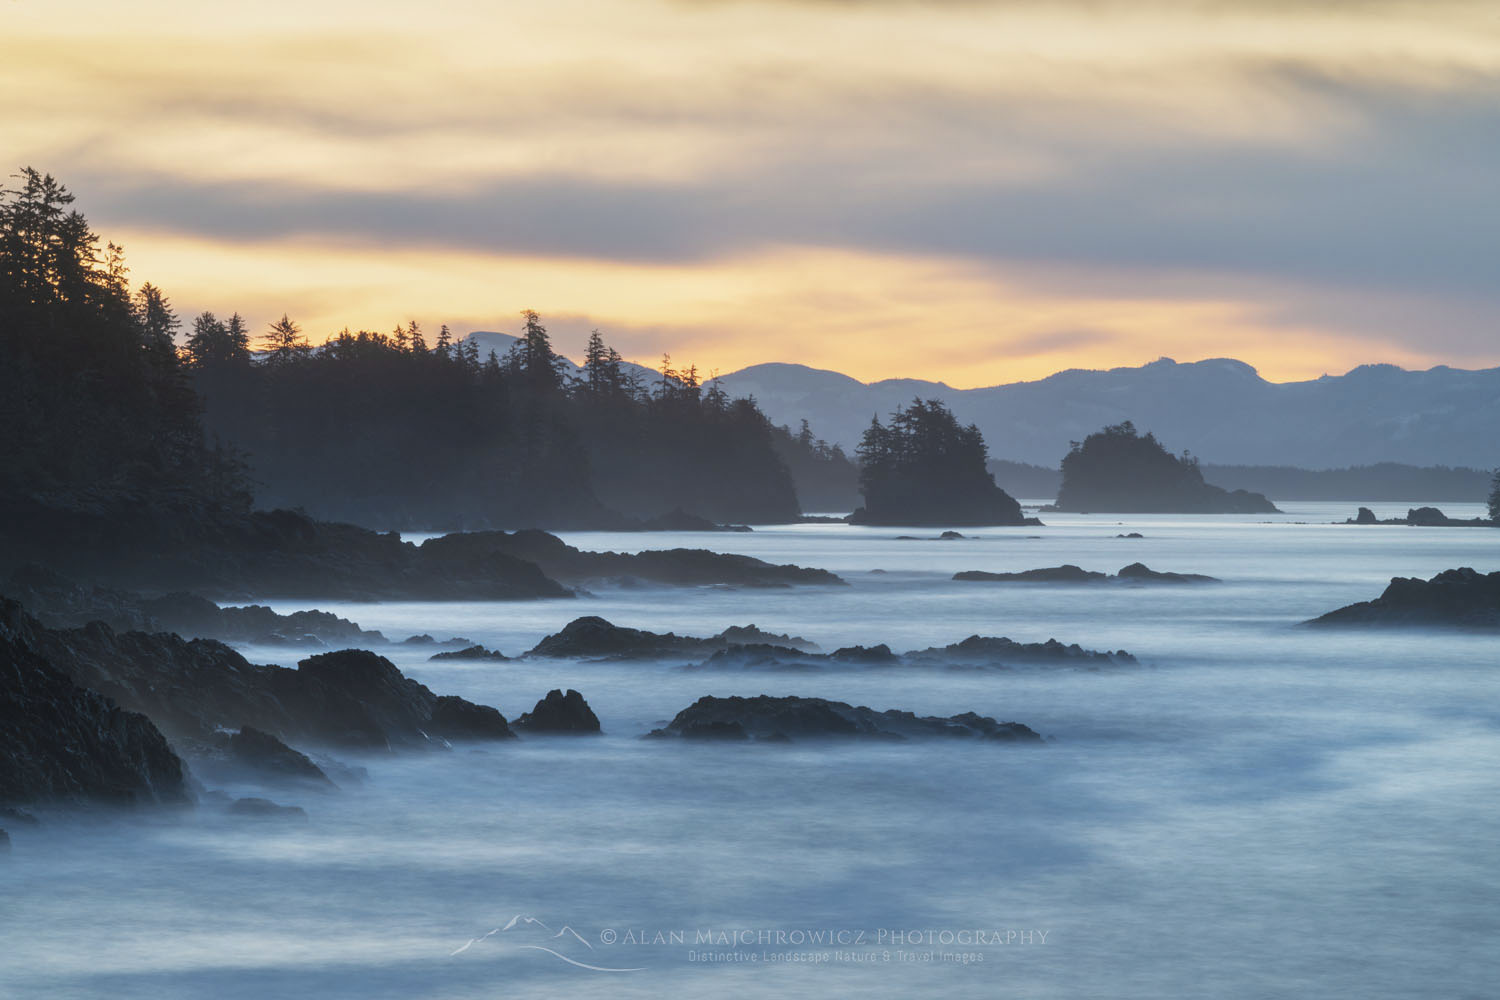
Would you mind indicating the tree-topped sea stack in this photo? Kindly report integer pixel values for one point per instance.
(926, 469)
(1118, 470)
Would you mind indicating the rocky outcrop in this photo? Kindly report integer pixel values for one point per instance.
(1134, 573)
(673, 567)
(254, 808)
(975, 652)
(1422, 517)
(61, 742)
(191, 689)
(454, 718)
(475, 652)
(1455, 598)
(560, 713)
(267, 756)
(1117, 470)
(595, 638)
(766, 717)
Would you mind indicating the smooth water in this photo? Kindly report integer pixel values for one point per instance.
(1258, 810)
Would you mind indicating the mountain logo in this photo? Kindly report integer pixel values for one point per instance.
(532, 934)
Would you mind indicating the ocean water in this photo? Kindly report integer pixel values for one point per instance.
(1256, 810)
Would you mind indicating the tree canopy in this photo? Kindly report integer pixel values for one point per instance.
(924, 468)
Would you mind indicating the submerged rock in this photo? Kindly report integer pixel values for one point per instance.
(766, 717)
(1454, 598)
(560, 713)
(265, 809)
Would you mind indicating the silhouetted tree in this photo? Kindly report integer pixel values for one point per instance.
(1494, 499)
(284, 341)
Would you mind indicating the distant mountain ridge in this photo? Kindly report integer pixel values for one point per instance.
(1220, 409)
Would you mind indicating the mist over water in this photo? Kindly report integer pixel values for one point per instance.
(1256, 810)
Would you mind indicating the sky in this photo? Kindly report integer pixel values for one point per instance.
(959, 190)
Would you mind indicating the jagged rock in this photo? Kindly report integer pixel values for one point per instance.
(191, 689)
(675, 567)
(1365, 516)
(716, 730)
(265, 809)
(475, 652)
(264, 753)
(60, 603)
(1422, 517)
(1134, 573)
(560, 713)
(764, 716)
(62, 742)
(456, 719)
(593, 637)
(973, 652)
(1131, 534)
(1455, 598)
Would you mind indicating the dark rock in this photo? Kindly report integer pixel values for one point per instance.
(950, 535)
(1421, 517)
(1118, 470)
(192, 689)
(419, 640)
(1428, 516)
(975, 652)
(456, 719)
(1131, 534)
(1054, 574)
(264, 753)
(764, 716)
(1454, 598)
(4, 841)
(470, 653)
(716, 730)
(265, 809)
(62, 742)
(674, 567)
(560, 713)
(1365, 516)
(1134, 573)
(593, 637)
(1141, 573)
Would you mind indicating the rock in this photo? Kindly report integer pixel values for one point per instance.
(1131, 534)
(975, 652)
(593, 637)
(265, 754)
(672, 567)
(1421, 517)
(1141, 573)
(455, 719)
(62, 742)
(949, 535)
(1134, 573)
(1454, 598)
(265, 809)
(193, 689)
(1054, 574)
(1365, 516)
(1118, 470)
(470, 653)
(764, 716)
(419, 640)
(4, 842)
(560, 713)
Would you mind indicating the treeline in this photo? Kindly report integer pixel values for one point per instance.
(389, 430)
(117, 411)
(100, 419)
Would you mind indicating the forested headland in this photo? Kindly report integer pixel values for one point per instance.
(127, 425)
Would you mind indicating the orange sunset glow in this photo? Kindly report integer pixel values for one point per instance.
(969, 192)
